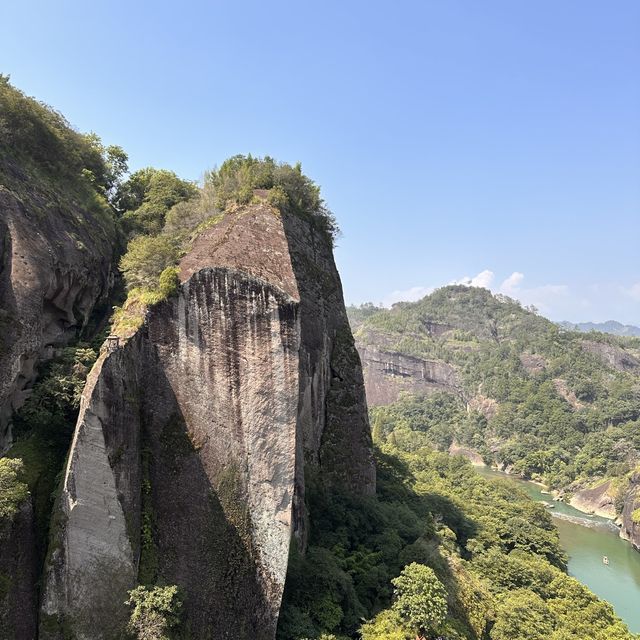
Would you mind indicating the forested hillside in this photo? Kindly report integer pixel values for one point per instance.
(532, 397)
(476, 560)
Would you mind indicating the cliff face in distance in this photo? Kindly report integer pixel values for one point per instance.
(188, 462)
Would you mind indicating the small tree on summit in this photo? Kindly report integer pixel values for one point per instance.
(420, 600)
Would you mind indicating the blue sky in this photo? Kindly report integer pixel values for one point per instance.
(496, 142)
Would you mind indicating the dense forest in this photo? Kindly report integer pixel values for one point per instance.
(440, 552)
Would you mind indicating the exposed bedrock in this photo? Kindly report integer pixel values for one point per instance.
(18, 576)
(388, 374)
(630, 522)
(55, 268)
(188, 462)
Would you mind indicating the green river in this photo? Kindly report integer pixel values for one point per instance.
(586, 539)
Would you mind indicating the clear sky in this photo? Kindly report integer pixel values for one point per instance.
(497, 141)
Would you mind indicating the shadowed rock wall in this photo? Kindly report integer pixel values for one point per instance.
(186, 433)
(55, 268)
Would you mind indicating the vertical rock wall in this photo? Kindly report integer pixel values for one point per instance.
(221, 420)
(188, 464)
(94, 545)
(188, 430)
(54, 270)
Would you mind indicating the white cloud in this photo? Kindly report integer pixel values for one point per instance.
(407, 295)
(484, 280)
(633, 291)
(545, 297)
(510, 285)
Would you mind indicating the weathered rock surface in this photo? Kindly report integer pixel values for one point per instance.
(629, 529)
(612, 356)
(55, 268)
(388, 374)
(598, 500)
(18, 576)
(533, 363)
(188, 463)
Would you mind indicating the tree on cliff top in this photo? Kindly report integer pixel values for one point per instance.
(146, 197)
(288, 188)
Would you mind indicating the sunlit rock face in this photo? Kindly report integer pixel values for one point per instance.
(188, 462)
(388, 374)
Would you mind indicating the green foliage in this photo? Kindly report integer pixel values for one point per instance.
(13, 492)
(420, 599)
(568, 418)
(387, 625)
(146, 258)
(169, 281)
(53, 167)
(481, 538)
(43, 428)
(238, 178)
(358, 314)
(155, 612)
(148, 195)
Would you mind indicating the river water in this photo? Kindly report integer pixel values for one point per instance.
(586, 539)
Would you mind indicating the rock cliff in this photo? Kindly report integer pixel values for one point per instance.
(189, 458)
(56, 266)
(389, 373)
(56, 269)
(630, 527)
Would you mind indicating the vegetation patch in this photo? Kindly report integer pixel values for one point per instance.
(492, 550)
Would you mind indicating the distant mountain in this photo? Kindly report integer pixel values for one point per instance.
(611, 326)
(464, 368)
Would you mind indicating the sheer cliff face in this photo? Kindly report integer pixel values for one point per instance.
(55, 267)
(189, 457)
(629, 529)
(389, 374)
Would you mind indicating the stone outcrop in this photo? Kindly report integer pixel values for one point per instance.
(533, 363)
(612, 356)
(55, 269)
(630, 529)
(189, 458)
(598, 499)
(388, 374)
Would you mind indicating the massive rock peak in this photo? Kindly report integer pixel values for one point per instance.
(188, 462)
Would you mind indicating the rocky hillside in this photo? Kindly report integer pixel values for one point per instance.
(465, 368)
(58, 241)
(58, 250)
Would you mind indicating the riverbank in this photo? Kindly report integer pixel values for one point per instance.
(596, 500)
(586, 538)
